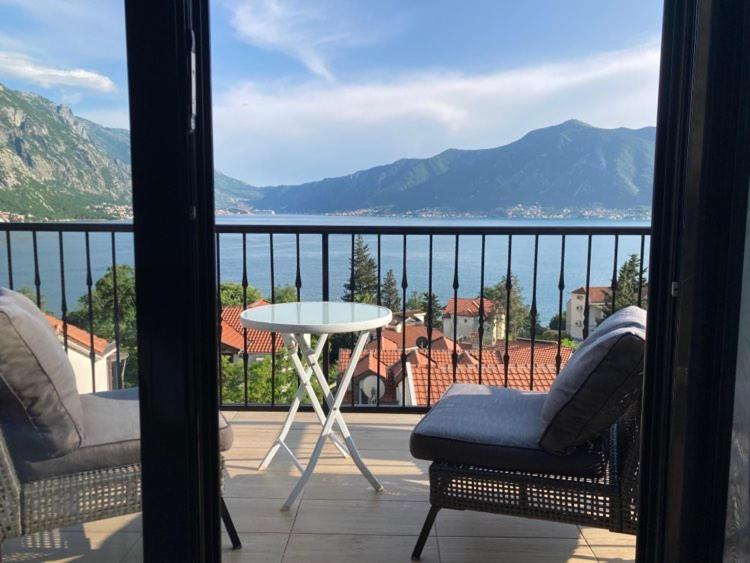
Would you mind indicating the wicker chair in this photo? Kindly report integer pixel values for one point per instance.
(570, 455)
(609, 500)
(65, 458)
(46, 504)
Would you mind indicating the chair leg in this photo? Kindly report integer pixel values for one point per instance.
(424, 534)
(229, 525)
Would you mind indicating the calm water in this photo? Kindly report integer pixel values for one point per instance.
(258, 258)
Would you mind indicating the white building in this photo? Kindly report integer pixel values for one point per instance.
(104, 376)
(467, 320)
(599, 296)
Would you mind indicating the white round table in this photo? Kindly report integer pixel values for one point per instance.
(297, 322)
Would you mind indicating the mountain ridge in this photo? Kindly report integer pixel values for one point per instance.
(55, 165)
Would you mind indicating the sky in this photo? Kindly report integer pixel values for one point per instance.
(307, 89)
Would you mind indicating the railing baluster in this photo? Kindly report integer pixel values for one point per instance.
(298, 277)
(481, 310)
(588, 285)
(430, 321)
(10, 259)
(508, 287)
(89, 284)
(326, 290)
(378, 333)
(614, 276)
(404, 285)
(352, 280)
(454, 356)
(63, 296)
(244, 307)
(37, 278)
(533, 312)
(560, 289)
(273, 334)
(220, 315)
(640, 271)
(119, 376)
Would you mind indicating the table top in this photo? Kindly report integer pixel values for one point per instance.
(316, 317)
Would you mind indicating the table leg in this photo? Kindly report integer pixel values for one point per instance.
(311, 358)
(280, 440)
(334, 416)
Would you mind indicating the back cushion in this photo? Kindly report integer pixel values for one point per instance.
(39, 403)
(595, 387)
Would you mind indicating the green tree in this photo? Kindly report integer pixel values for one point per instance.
(558, 321)
(103, 314)
(285, 294)
(231, 294)
(518, 315)
(30, 292)
(390, 294)
(420, 301)
(365, 287)
(627, 285)
(259, 381)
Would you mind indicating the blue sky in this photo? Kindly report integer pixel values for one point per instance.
(305, 89)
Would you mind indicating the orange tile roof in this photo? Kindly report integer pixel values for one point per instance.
(233, 335)
(438, 374)
(412, 333)
(468, 307)
(597, 293)
(78, 335)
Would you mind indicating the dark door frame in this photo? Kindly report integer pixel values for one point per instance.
(699, 214)
(176, 277)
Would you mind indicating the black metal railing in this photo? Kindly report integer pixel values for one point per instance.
(528, 268)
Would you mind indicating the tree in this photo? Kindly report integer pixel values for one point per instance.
(420, 301)
(518, 315)
(627, 285)
(30, 292)
(284, 294)
(558, 321)
(103, 314)
(390, 294)
(231, 294)
(365, 275)
(259, 381)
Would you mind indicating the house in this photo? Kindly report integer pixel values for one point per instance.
(466, 311)
(411, 337)
(575, 309)
(234, 337)
(80, 344)
(378, 379)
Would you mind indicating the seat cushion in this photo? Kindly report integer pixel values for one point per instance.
(112, 438)
(41, 411)
(498, 428)
(596, 386)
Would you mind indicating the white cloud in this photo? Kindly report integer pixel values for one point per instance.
(23, 67)
(298, 30)
(296, 132)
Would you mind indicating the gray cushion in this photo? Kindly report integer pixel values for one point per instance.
(596, 386)
(631, 316)
(41, 411)
(112, 423)
(495, 427)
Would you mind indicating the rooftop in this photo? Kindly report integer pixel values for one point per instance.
(338, 518)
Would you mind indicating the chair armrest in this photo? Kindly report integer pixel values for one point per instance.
(10, 495)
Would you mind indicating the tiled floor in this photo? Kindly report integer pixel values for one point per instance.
(339, 518)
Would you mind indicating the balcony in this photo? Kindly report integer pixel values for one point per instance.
(339, 518)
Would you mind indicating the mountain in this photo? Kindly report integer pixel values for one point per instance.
(571, 165)
(55, 165)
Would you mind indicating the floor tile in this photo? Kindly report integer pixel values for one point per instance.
(69, 546)
(513, 550)
(326, 548)
(469, 523)
(260, 515)
(360, 517)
